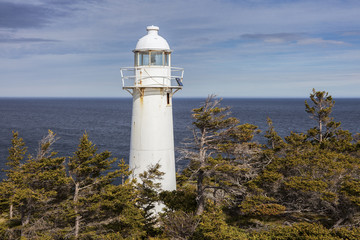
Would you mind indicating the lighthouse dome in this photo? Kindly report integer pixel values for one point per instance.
(152, 41)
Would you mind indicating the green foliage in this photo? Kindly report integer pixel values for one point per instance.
(346, 233)
(311, 179)
(180, 200)
(87, 165)
(351, 189)
(148, 197)
(315, 180)
(114, 209)
(17, 152)
(299, 231)
(179, 224)
(322, 104)
(111, 236)
(36, 185)
(212, 225)
(275, 142)
(219, 152)
(8, 187)
(260, 205)
(46, 204)
(306, 231)
(90, 177)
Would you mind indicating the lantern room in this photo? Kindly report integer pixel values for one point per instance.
(152, 58)
(152, 49)
(152, 65)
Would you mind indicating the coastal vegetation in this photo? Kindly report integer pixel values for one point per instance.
(302, 186)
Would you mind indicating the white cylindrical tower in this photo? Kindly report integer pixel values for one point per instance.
(152, 82)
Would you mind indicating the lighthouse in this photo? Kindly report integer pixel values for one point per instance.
(152, 83)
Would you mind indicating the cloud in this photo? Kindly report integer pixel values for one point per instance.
(274, 37)
(25, 40)
(298, 38)
(308, 41)
(351, 33)
(16, 15)
(19, 15)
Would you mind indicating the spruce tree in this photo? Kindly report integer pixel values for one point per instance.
(219, 152)
(38, 184)
(314, 175)
(275, 142)
(148, 189)
(87, 170)
(322, 104)
(114, 210)
(17, 152)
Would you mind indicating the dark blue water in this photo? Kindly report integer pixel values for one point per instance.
(107, 121)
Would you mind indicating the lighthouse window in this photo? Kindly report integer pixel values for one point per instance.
(166, 62)
(144, 59)
(156, 58)
(168, 98)
(136, 59)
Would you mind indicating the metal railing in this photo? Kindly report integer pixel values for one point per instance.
(128, 78)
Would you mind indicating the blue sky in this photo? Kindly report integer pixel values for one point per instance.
(244, 48)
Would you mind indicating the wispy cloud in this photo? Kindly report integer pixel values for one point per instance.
(351, 33)
(308, 41)
(274, 37)
(24, 15)
(298, 38)
(25, 40)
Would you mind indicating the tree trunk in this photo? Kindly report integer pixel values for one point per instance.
(11, 211)
(76, 210)
(25, 219)
(320, 131)
(200, 194)
(200, 178)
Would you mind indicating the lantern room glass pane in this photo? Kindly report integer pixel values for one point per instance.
(144, 59)
(166, 62)
(156, 58)
(136, 59)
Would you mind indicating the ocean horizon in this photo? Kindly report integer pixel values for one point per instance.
(107, 120)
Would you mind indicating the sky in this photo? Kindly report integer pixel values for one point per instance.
(231, 48)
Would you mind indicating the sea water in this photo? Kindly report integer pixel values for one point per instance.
(108, 121)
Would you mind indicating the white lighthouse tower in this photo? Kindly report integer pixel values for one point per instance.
(152, 82)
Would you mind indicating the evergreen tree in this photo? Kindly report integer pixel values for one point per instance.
(304, 231)
(17, 152)
(87, 170)
(275, 142)
(212, 226)
(9, 185)
(148, 190)
(313, 179)
(44, 179)
(322, 104)
(37, 188)
(115, 211)
(219, 153)
(180, 224)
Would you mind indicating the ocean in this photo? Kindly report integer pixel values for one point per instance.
(107, 121)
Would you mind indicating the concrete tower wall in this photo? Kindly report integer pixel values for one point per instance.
(152, 139)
